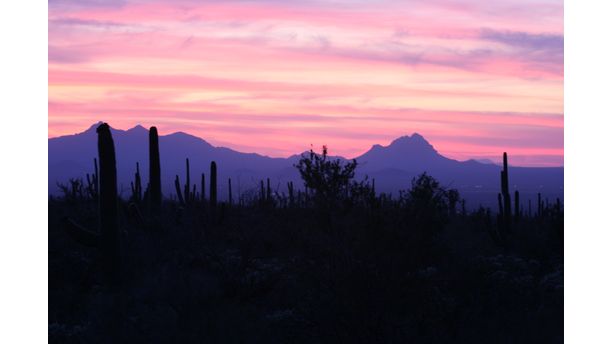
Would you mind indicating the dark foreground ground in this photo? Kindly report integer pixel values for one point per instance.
(273, 275)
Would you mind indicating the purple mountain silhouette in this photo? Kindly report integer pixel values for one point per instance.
(392, 166)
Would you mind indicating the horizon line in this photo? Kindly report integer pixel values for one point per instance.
(493, 162)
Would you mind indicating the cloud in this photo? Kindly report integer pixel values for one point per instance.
(76, 4)
(530, 41)
(541, 51)
(66, 55)
(83, 22)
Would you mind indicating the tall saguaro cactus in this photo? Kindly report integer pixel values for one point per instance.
(109, 221)
(213, 184)
(187, 183)
(154, 193)
(203, 188)
(505, 192)
(107, 240)
(517, 204)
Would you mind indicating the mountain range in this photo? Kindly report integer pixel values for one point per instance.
(393, 166)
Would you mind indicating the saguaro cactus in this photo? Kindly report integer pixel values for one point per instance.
(203, 188)
(187, 183)
(177, 187)
(137, 185)
(517, 212)
(505, 191)
(539, 204)
(229, 186)
(109, 221)
(262, 194)
(92, 183)
(107, 240)
(154, 191)
(268, 190)
(213, 184)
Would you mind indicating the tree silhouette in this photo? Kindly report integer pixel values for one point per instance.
(428, 204)
(329, 179)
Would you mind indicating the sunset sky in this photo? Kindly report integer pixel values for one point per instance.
(474, 77)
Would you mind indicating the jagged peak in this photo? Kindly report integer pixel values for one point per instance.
(138, 127)
(415, 140)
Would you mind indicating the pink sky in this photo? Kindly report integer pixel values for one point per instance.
(475, 78)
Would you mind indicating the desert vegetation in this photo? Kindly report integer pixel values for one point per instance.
(329, 261)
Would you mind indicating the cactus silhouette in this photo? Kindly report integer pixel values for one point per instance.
(177, 187)
(213, 184)
(517, 212)
(539, 204)
(137, 186)
(154, 192)
(229, 186)
(188, 196)
(109, 221)
(107, 240)
(261, 192)
(505, 186)
(507, 203)
(92, 183)
(203, 188)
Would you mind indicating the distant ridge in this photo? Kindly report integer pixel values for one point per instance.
(393, 165)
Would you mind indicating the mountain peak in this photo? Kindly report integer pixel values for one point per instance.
(415, 141)
(405, 152)
(137, 128)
